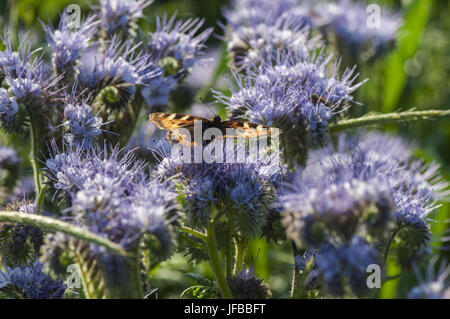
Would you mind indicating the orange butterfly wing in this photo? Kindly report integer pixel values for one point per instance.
(170, 121)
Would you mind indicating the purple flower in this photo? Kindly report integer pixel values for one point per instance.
(333, 211)
(30, 282)
(121, 15)
(110, 195)
(27, 77)
(156, 93)
(292, 93)
(118, 72)
(68, 43)
(258, 28)
(12, 61)
(359, 27)
(82, 124)
(346, 265)
(8, 157)
(383, 173)
(245, 187)
(433, 286)
(179, 40)
(176, 47)
(70, 169)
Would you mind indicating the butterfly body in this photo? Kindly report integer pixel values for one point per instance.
(179, 124)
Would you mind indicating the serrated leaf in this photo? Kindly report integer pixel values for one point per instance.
(199, 279)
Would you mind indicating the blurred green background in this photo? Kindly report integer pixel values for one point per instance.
(414, 75)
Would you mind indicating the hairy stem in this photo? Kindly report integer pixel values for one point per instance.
(379, 119)
(138, 292)
(295, 282)
(295, 274)
(55, 225)
(41, 198)
(194, 233)
(33, 157)
(215, 262)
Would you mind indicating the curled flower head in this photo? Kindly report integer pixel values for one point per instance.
(115, 75)
(15, 60)
(27, 77)
(176, 47)
(121, 15)
(67, 42)
(246, 285)
(178, 40)
(30, 282)
(20, 243)
(8, 109)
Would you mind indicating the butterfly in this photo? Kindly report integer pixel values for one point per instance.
(179, 124)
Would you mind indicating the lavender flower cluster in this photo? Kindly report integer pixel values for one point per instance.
(381, 191)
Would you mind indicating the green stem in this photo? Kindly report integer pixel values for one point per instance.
(34, 153)
(87, 292)
(138, 292)
(215, 262)
(40, 199)
(55, 225)
(295, 282)
(229, 250)
(389, 243)
(296, 273)
(194, 233)
(379, 119)
(240, 249)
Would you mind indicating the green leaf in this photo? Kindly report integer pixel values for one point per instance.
(199, 279)
(395, 77)
(201, 292)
